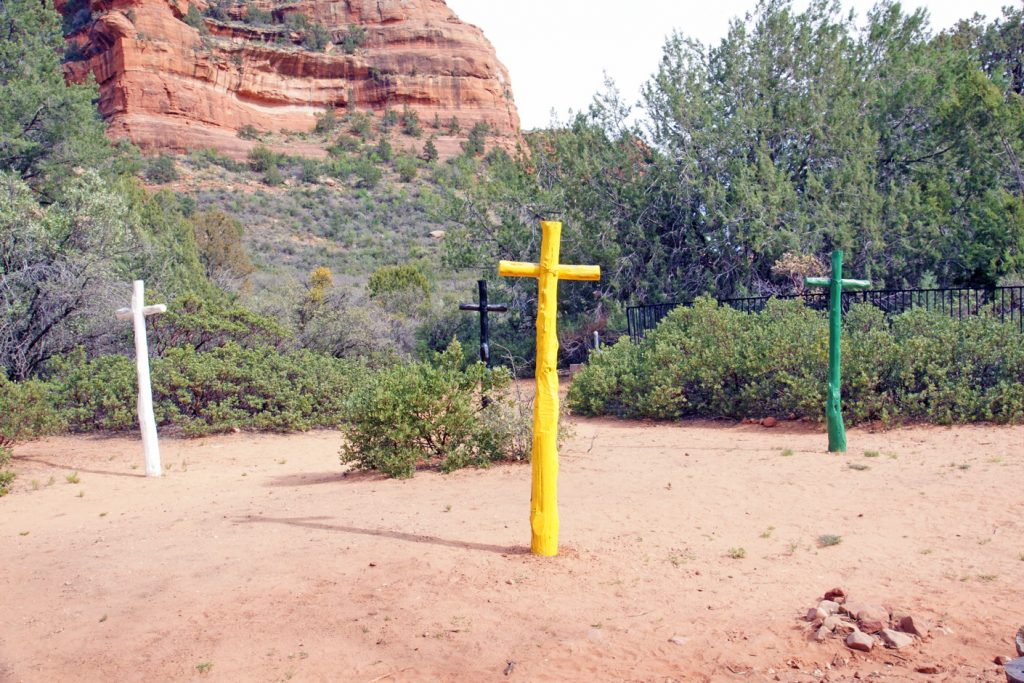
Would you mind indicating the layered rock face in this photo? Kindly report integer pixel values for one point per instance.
(173, 79)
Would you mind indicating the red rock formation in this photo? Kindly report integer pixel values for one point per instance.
(166, 85)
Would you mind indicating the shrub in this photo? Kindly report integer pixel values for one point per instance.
(224, 389)
(476, 143)
(430, 413)
(411, 123)
(367, 173)
(326, 122)
(430, 153)
(273, 177)
(383, 149)
(712, 361)
(161, 169)
(262, 158)
(354, 39)
(6, 476)
(28, 410)
(194, 18)
(316, 37)
(406, 167)
(249, 132)
(360, 123)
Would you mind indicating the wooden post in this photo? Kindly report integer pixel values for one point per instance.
(147, 422)
(485, 327)
(544, 458)
(833, 407)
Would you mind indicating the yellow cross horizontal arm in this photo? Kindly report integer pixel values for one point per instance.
(579, 272)
(520, 269)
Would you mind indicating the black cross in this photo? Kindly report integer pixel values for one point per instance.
(485, 330)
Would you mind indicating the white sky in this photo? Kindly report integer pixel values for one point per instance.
(557, 51)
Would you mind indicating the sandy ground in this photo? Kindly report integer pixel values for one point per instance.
(254, 559)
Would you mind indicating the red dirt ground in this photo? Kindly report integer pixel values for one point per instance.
(255, 559)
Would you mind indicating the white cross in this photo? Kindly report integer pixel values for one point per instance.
(147, 422)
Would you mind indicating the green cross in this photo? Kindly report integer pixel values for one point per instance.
(836, 285)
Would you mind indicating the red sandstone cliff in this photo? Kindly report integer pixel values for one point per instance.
(166, 85)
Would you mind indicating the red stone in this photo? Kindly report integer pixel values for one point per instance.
(164, 86)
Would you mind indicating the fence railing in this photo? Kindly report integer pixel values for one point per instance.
(958, 302)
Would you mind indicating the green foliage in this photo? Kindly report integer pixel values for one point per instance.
(411, 123)
(429, 413)
(249, 132)
(77, 15)
(47, 127)
(361, 124)
(383, 150)
(27, 410)
(367, 172)
(161, 169)
(255, 15)
(59, 263)
(713, 361)
(353, 39)
(194, 18)
(430, 151)
(326, 122)
(316, 37)
(6, 476)
(799, 132)
(262, 159)
(205, 157)
(273, 177)
(406, 167)
(476, 143)
(219, 241)
(205, 323)
(227, 388)
(407, 282)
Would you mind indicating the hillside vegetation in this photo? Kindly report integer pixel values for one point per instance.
(744, 164)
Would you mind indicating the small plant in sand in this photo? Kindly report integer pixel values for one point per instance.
(964, 466)
(204, 667)
(736, 553)
(858, 466)
(828, 540)
(767, 533)
(73, 478)
(430, 413)
(6, 476)
(786, 452)
(871, 454)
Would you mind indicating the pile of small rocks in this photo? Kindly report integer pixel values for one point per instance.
(862, 625)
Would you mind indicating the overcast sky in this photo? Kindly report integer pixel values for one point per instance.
(558, 50)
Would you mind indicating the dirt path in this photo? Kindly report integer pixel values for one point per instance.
(254, 559)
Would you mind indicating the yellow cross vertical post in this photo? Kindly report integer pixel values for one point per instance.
(544, 458)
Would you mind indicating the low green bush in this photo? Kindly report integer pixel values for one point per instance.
(430, 413)
(6, 476)
(227, 388)
(712, 361)
(28, 410)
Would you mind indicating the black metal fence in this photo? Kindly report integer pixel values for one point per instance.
(1005, 302)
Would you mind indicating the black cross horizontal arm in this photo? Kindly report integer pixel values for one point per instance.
(493, 308)
(483, 308)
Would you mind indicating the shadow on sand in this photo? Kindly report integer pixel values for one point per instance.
(70, 468)
(314, 523)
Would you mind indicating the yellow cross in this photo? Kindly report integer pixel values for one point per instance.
(544, 459)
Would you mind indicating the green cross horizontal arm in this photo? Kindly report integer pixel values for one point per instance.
(848, 285)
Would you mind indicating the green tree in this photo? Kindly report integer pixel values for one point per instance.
(59, 265)
(47, 127)
(219, 241)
